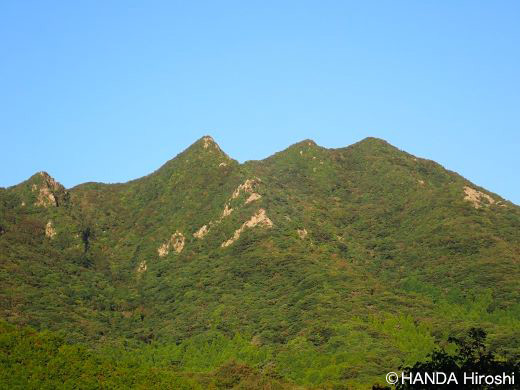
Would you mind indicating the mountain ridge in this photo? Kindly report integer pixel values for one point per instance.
(200, 143)
(354, 250)
(205, 141)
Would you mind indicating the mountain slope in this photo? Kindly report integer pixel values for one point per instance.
(345, 254)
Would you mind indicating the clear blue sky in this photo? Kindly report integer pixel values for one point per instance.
(110, 90)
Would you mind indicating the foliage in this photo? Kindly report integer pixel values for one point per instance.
(472, 357)
(394, 260)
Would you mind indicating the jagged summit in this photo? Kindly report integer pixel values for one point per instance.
(207, 143)
(44, 180)
(39, 177)
(41, 189)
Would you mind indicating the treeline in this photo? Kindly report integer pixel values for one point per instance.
(43, 360)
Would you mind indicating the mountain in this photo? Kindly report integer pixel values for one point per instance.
(329, 266)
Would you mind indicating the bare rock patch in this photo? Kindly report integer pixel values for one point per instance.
(254, 196)
(201, 232)
(46, 191)
(302, 233)
(50, 232)
(474, 196)
(142, 267)
(260, 218)
(176, 242)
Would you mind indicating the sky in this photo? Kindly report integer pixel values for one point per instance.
(110, 90)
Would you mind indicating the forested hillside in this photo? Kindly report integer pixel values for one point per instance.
(313, 268)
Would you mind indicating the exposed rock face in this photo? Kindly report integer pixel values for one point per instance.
(47, 191)
(210, 146)
(207, 141)
(201, 232)
(164, 249)
(302, 233)
(476, 197)
(50, 232)
(227, 211)
(45, 196)
(142, 267)
(205, 229)
(176, 242)
(258, 219)
(254, 196)
(247, 186)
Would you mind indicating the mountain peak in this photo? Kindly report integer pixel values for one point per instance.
(373, 141)
(44, 188)
(373, 145)
(306, 142)
(207, 142)
(43, 178)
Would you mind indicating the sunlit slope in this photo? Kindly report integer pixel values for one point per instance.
(366, 248)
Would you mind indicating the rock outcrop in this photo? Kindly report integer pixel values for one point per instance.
(477, 197)
(142, 267)
(47, 191)
(50, 232)
(258, 219)
(176, 242)
(302, 233)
